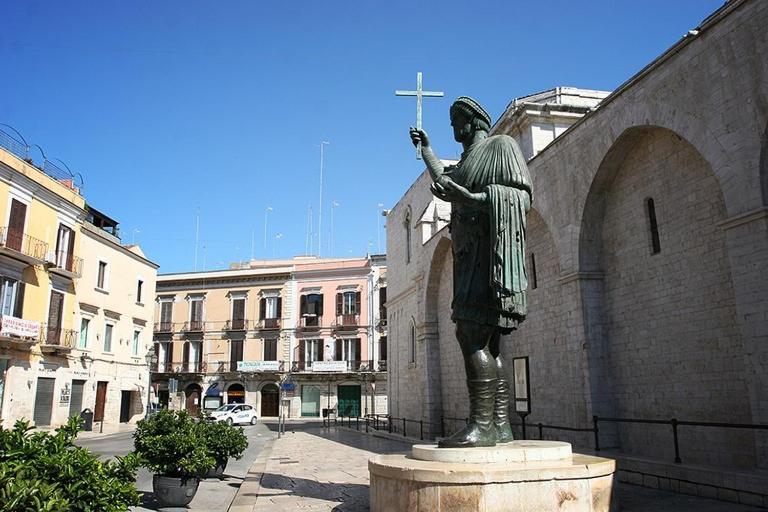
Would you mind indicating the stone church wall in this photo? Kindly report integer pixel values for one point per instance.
(615, 330)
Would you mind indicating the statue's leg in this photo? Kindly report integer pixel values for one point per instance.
(501, 404)
(481, 382)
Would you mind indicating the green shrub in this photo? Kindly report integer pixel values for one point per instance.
(40, 471)
(223, 440)
(170, 443)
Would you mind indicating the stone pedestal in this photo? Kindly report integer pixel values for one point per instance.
(520, 476)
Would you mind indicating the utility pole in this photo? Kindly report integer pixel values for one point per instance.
(320, 212)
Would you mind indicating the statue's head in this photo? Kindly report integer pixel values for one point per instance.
(467, 117)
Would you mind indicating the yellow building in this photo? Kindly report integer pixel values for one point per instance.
(45, 376)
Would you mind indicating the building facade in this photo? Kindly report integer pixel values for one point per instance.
(647, 249)
(272, 334)
(50, 262)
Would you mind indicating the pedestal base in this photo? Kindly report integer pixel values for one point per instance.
(521, 476)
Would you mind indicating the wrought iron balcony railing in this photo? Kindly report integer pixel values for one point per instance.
(180, 367)
(310, 322)
(69, 263)
(23, 244)
(164, 327)
(58, 337)
(193, 326)
(269, 323)
(349, 321)
(237, 324)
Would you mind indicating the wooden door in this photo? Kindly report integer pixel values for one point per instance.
(101, 400)
(16, 225)
(270, 397)
(54, 318)
(193, 400)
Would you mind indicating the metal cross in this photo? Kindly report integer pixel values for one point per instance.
(419, 93)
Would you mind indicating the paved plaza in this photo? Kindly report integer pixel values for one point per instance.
(314, 469)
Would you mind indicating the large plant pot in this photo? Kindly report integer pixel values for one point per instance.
(218, 471)
(174, 492)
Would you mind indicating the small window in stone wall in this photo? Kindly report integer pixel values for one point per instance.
(534, 277)
(413, 341)
(653, 226)
(407, 226)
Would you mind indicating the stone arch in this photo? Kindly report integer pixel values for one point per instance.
(662, 322)
(235, 393)
(436, 263)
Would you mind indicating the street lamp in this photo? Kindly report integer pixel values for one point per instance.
(151, 359)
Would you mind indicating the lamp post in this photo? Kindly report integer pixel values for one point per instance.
(151, 359)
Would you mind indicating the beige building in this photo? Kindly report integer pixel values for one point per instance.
(67, 286)
(304, 329)
(647, 250)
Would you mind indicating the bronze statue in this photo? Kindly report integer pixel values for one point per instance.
(490, 193)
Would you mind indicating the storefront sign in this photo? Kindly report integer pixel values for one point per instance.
(329, 366)
(258, 366)
(12, 326)
(64, 395)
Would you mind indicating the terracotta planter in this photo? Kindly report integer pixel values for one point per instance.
(174, 492)
(218, 471)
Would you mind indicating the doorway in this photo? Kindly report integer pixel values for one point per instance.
(43, 401)
(101, 401)
(310, 401)
(236, 394)
(270, 400)
(76, 400)
(349, 401)
(125, 406)
(192, 404)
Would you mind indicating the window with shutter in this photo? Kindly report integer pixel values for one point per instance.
(238, 313)
(270, 350)
(166, 315)
(339, 304)
(15, 235)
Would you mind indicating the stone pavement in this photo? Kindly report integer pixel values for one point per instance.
(313, 469)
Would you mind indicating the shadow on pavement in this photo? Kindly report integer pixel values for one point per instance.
(353, 497)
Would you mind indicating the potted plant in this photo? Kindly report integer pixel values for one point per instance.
(223, 441)
(171, 445)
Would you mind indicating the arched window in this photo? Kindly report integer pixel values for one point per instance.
(412, 338)
(407, 226)
(653, 226)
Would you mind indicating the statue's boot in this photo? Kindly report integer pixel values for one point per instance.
(501, 412)
(480, 431)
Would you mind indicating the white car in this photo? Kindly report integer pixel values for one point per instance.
(234, 413)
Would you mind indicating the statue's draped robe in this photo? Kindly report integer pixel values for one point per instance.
(489, 278)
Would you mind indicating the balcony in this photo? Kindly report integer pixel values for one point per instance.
(20, 246)
(352, 366)
(57, 339)
(269, 323)
(65, 264)
(347, 322)
(187, 367)
(193, 326)
(238, 324)
(164, 327)
(18, 330)
(382, 365)
(309, 323)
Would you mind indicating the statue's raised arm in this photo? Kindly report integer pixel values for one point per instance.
(434, 165)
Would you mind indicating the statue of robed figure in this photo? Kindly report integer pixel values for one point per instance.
(490, 193)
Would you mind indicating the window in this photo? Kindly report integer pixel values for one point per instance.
(83, 341)
(534, 277)
(135, 343)
(196, 313)
(653, 226)
(166, 315)
(270, 350)
(383, 348)
(348, 349)
(11, 297)
(65, 248)
(271, 309)
(15, 236)
(108, 337)
(238, 313)
(235, 354)
(348, 303)
(407, 227)
(101, 280)
(311, 350)
(139, 286)
(311, 309)
(413, 340)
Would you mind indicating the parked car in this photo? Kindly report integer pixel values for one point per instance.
(234, 413)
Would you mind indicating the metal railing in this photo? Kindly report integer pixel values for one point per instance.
(193, 326)
(269, 323)
(69, 262)
(347, 321)
(164, 327)
(237, 324)
(180, 367)
(14, 146)
(382, 365)
(310, 323)
(56, 336)
(23, 243)
(395, 425)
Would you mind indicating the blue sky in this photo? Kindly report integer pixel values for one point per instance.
(170, 107)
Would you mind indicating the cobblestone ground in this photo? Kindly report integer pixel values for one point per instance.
(313, 469)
